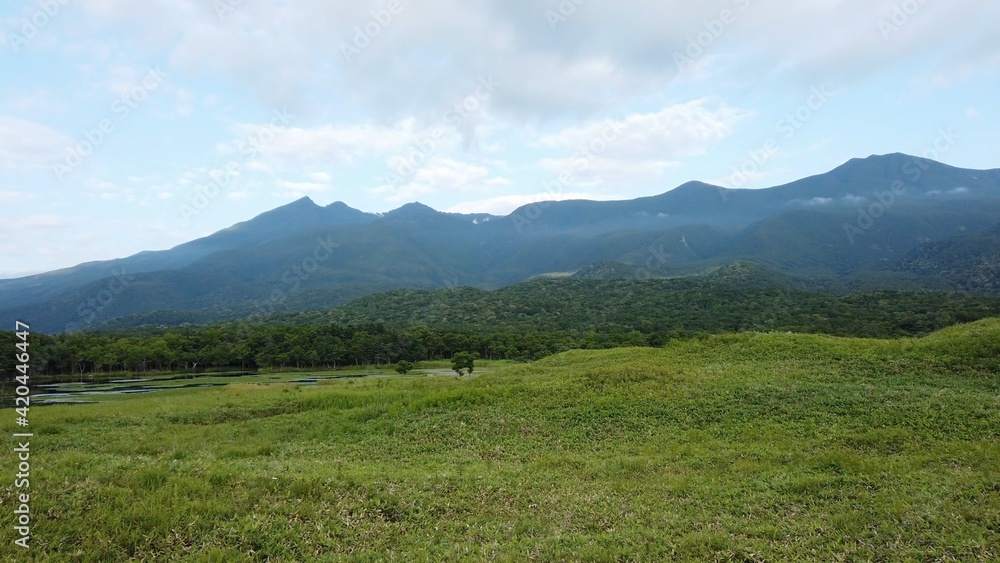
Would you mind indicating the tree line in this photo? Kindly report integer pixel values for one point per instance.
(250, 347)
(521, 323)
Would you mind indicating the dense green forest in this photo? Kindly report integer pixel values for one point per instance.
(661, 306)
(249, 346)
(522, 322)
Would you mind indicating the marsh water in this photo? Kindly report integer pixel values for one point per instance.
(64, 390)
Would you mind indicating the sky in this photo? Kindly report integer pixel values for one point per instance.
(128, 126)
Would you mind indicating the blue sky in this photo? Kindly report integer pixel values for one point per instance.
(129, 126)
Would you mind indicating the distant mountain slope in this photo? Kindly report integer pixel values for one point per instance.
(863, 177)
(839, 230)
(855, 183)
(968, 262)
(815, 241)
(272, 225)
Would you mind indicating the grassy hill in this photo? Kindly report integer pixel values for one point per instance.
(751, 447)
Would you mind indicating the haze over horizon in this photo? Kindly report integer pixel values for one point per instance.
(137, 127)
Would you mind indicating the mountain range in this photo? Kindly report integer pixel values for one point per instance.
(884, 222)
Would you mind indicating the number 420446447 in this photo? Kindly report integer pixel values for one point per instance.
(21, 331)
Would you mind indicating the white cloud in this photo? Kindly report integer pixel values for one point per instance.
(321, 145)
(185, 102)
(583, 172)
(109, 191)
(818, 201)
(955, 191)
(27, 146)
(504, 205)
(258, 166)
(965, 64)
(41, 222)
(41, 101)
(677, 130)
(410, 191)
(440, 174)
(431, 52)
(639, 148)
(11, 198)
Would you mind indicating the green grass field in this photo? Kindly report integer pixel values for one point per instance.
(751, 447)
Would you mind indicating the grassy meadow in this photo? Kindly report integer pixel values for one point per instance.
(749, 447)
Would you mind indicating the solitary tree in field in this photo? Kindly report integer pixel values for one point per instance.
(463, 361)
(403, 366)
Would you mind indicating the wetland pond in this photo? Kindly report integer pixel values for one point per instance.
(72, 390)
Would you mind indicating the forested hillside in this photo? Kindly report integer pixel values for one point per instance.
(521, 322)
(969, 262)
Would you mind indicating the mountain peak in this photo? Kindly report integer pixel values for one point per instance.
(412, 210)
(695, 186)
(285, 212)
(292, 217)
(302, 201)
(894, 159)
(691, 197)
